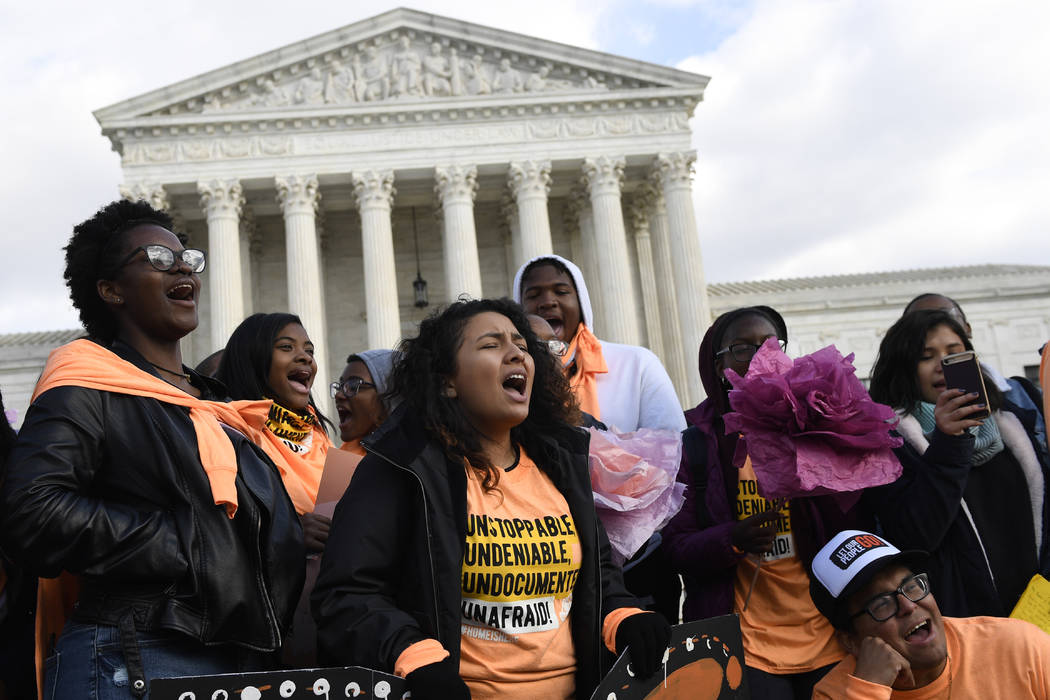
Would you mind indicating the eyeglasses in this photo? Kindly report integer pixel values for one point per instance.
(163, 258)
(557, 347)
(743, 352)
(886, 605)
(350, 387)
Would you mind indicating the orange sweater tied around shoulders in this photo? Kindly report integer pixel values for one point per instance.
(87, 364)
(586, 351)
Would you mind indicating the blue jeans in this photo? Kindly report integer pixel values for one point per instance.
(89, 661)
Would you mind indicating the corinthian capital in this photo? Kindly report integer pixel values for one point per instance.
(298, 194)
(638, 215)
(149, 192)
(604, 174)
(221, 198)
(456, 182)
(673, 169)
(529, 177)
(374, 188)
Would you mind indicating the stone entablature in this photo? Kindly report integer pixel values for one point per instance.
(442, 83)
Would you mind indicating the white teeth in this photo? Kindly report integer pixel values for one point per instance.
(915, 628)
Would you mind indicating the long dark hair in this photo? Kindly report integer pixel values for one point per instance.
(894, 378)
(245, 365)
(428, 360)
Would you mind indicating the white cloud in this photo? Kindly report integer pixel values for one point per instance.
(846, 137)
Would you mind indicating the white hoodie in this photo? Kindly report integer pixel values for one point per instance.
(636, 391)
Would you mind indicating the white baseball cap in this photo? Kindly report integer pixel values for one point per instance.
(846, 564)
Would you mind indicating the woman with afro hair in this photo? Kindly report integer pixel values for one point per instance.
(183, 549)
(466, 554)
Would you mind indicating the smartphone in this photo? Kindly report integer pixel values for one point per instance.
(963, 371)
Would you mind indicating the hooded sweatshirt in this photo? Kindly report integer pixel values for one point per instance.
(636, 391)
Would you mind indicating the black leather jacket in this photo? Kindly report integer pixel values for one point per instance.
(391, 572)
(110, 487)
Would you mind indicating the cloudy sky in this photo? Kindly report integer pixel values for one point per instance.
(835, 137)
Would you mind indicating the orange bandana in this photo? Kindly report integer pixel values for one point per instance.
(586, 351)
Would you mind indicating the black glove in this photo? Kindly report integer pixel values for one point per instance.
(647, 635)
(438, 681)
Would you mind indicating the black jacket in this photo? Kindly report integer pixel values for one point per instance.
(110, 486)
(391, 572)
(923, 510)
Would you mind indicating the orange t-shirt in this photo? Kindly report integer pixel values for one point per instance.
(520, 564)
(989, 658)
(782, 629)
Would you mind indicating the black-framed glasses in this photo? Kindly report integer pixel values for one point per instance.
(743, 352)
(163, 258)
(350, 387)
(886, 605)
(557, 347)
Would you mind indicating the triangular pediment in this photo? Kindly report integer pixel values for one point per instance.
(398, 58)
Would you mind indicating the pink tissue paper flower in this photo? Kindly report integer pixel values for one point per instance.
(634, 486)
(810, 426)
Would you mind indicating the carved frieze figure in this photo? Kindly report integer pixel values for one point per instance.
(537, 82)
(507, 79)
(339, 86)
(376, 77)
(212, 103)
(478, 82)
(406, 70)
(272, 95)
(437, 74)
(456, 77)
(310, 88)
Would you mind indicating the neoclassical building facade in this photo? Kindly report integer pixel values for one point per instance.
(327, 176)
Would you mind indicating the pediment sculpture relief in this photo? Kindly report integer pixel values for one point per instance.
(400, 69)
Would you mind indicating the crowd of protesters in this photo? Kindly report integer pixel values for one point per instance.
(158, 521)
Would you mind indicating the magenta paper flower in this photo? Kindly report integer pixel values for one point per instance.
(810, 426)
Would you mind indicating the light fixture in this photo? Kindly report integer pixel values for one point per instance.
(420, 285)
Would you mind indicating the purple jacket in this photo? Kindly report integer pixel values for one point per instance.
(704, 555)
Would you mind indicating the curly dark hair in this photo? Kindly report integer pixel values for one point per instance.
(92, 253)
(245, 365)
(428, 360)
(894, 379)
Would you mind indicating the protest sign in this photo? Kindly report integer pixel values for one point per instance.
(704, 661)
(325, 683)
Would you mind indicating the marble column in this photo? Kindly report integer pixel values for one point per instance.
(530, 183)
(455, 187)
(639, 217)
(675, 171)
(299, 196)
(663, 272)
(375, 197)
(222, 202)
(581, 218)
(249, 244)
(508, 210)
(604, 176)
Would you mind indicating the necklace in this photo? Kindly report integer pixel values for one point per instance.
(165, 369)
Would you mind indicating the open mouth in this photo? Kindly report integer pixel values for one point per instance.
(300, 380)
(344, 413)
(515, 384)
(920, 632)
(183, 291)
(557, 325)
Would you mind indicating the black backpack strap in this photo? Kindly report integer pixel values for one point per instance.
(694, 447)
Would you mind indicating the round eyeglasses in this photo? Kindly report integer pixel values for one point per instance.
(163, 258)
(743, 352)
(350, 387)
(886, 605)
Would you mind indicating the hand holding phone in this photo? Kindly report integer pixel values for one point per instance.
(962, 371)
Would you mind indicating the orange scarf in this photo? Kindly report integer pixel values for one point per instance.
(586, 351)
(353, 447)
